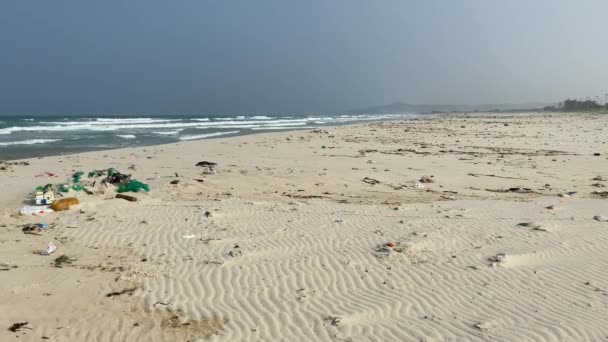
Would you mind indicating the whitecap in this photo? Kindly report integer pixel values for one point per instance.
(203, 136)
(29, 142)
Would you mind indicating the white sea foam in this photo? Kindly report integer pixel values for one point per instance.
(108, 121)
(173, 132)
(203, 136)
(148, 123)
(262, 128)
(28, 142)
(126, 136)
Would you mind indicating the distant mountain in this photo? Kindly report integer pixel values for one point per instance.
(402, 108)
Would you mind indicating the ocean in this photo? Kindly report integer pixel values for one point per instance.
(29, 137)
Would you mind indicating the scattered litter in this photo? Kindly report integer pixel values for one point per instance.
(390, 244)
(602, 194)
(35, 209)
(600, 218)
(127, 197)
(33, 228)
(133, 186)
(371, 181)
(518, 190)
(63, 259)
(7, 267)
(496, 176)
(18, 326)
(209, 167)
(188, 236)
(77, 176)
(128, 291)
(206, 164)
(50, 249)
(529, 224)
(497, 259)
(96, 173)
(382, 251)
(45, 195)
(426, 179)
(64, 203)
(533, 225)
(47, 174)
(124, 182)
(333, 320)
(175, 182)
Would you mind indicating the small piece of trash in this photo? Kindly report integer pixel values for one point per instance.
(495, 260)
(533, 225)
(600, 218)
(18, 326)
(188, 236)
(382, 252)
(50, 249)
(35, 209)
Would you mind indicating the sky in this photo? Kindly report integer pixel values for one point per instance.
(284, 56)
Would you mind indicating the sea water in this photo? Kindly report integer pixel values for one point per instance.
(36, 136)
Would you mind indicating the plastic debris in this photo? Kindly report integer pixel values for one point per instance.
(371, 181)
(50, 249)
(601, 218)
(44, 194)
(188, 236)
(426, 179)
(383, 252)
(209, 167)
(133, 186)
(16, 327)
(77, 176)
(35, 209)
(126, 197)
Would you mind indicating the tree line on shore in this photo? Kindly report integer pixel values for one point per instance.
(578, 106)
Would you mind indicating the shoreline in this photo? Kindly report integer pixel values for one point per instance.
(294, 225)
(47, 136)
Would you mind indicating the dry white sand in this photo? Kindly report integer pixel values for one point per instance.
(290, 251)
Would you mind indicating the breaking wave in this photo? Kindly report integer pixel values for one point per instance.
(28, 142)
(203, 136)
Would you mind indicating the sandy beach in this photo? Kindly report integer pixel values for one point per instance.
(494, 224)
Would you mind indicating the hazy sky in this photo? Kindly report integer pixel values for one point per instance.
(308, 56)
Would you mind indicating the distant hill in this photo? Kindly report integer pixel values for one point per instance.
(402, 108)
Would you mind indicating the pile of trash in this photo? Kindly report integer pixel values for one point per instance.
(123, 182)
(208, 167)
(54, 197)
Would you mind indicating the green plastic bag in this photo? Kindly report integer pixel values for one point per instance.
(133, 186)
(77, 187)
(76, 177)
(44, 187)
